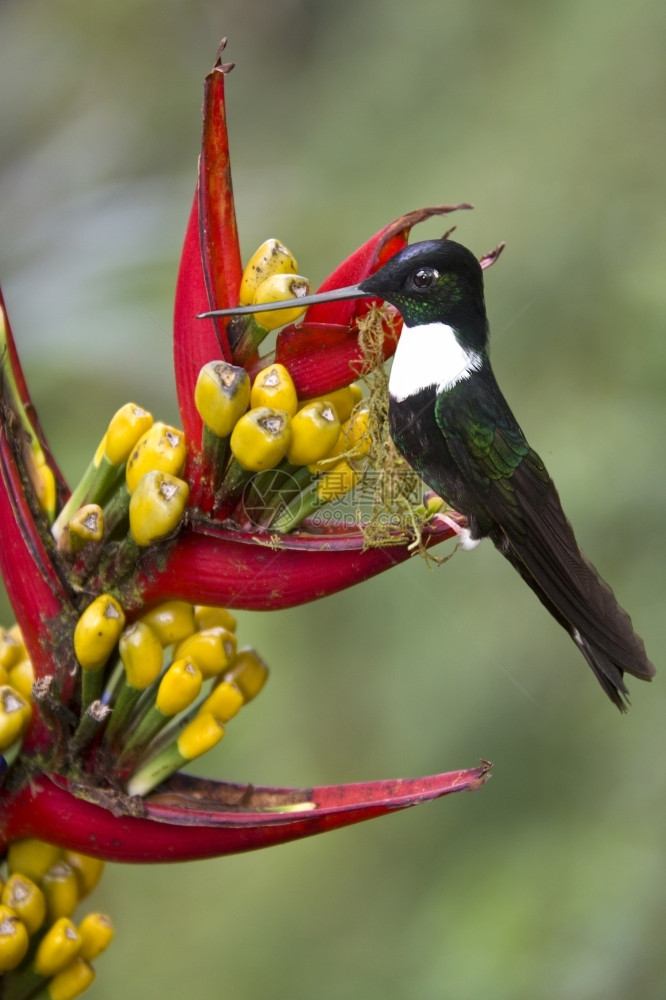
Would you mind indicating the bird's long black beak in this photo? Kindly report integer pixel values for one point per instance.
(350, 292)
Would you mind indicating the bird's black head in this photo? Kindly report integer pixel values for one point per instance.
(436, 281)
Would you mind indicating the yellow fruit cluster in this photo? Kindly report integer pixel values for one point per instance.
(16, 680)
(180, 678)
(134, 477)
(42, 948)
(133, 491)
(185, 707)
(270, 276)
(255, 426)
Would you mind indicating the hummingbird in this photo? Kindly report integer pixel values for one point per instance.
(451, 423)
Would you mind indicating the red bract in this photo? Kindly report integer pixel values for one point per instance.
(190, 818)
(57, 796)
(29, 570)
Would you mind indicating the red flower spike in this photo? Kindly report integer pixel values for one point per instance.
(210, 267)
(236, 568)
(194, 340)
(217, 217)
(241, 570)
(191, 818)
(33, 584)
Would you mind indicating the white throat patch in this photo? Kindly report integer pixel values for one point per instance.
(429, 355)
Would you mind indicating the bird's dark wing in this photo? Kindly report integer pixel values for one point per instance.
(486, 446)
(522, 513)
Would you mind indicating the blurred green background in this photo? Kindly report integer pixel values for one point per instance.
(549, 882)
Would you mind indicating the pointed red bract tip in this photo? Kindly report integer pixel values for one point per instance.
(190, 818)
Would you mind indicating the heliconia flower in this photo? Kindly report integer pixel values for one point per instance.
(124, 664)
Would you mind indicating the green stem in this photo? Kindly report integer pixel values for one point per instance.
(214, 455)
(22, 983)
(126, 699)
(92, 684)
(89, 726)
(248, 342)
(277, 491)
(95, 486)
(150, 725)
(117, 509)
(155, 770)
(235, 478)
(304, 504)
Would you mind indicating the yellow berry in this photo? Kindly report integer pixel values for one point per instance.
(88, 871)
(272, 257)
(179, 687)
(73, 980)
(206, 616)
(127, 425)
(87, 523)
(224, 701)
(273, 386)
(200, 735)
(260, 438)
(13, 715)
(32, 857)
(157, 506)
(14, 939)
(22, 677)
(61, 891)
(26, 899)
(278, 288)
(96, 932)
(314, 431)
(141, 654)
(171, 621)
(221, 396)
(249, 672)
(212, 650)
(59, 946)
(161, 448)
(337, 481)
(344, 400)
(11, 647)
(97, 631)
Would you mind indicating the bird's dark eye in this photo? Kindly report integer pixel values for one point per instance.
(425, 277)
